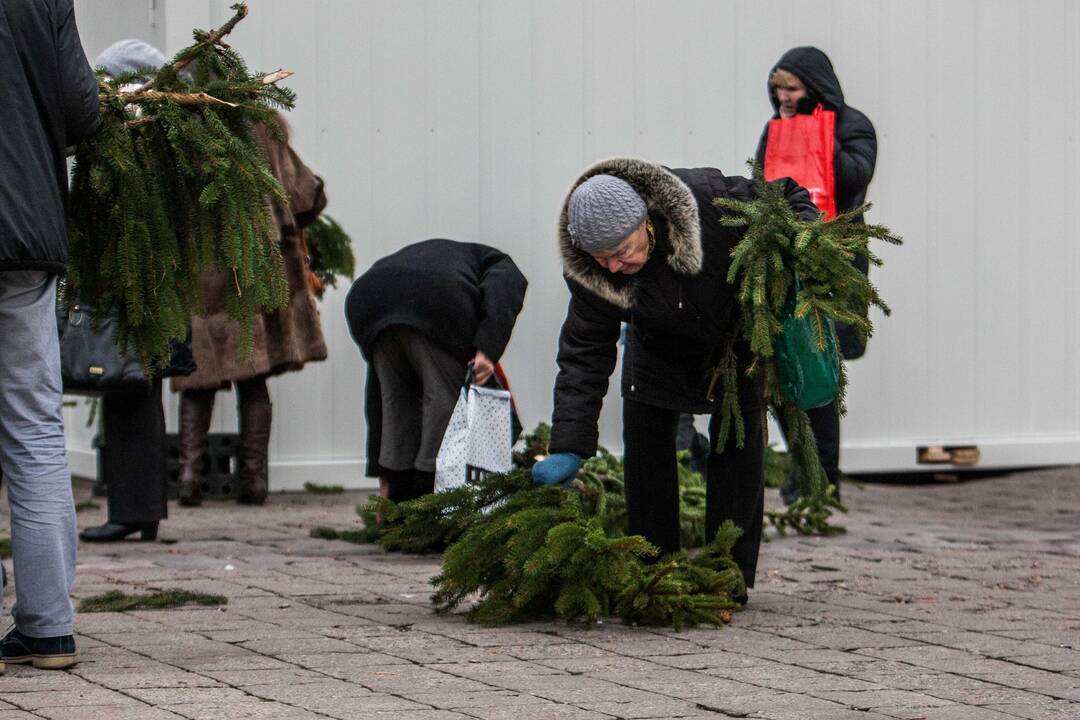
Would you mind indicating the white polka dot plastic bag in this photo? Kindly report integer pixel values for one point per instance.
(478, 438)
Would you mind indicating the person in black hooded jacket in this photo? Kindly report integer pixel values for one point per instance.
(802, 79)
(421, 316)
(643, 244)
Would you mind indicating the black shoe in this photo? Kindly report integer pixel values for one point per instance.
(55, 653)
(789, 489)
(111, 532)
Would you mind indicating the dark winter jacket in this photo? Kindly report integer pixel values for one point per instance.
(464, 296)
(855, 150)
(856, 142)
(49, 100)
(679, 306)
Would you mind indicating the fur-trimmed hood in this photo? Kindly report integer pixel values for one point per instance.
(664, 193)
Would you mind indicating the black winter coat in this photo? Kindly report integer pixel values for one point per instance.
(49, 98)
(464, 296)
(679, 306)
(856, 146)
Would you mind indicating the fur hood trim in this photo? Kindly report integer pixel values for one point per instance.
(664, 193)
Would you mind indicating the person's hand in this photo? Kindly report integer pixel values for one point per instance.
(482, 367)
(557, 468)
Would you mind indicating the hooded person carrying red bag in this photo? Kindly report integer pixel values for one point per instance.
(829, 148)
(806, 97)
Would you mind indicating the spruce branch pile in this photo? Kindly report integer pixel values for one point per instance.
(780, 255)
(433, 522)
(175, 183)
(545, 552)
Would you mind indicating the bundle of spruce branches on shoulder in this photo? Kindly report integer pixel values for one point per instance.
(173, 183)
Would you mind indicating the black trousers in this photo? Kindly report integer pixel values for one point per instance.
(825, 422)
(133, 457)
(735, 480)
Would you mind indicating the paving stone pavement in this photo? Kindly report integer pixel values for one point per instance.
(943, 602)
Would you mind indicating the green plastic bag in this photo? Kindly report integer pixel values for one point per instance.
(809, 377)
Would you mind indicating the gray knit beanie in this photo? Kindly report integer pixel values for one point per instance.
(129, 55)
(603, 211)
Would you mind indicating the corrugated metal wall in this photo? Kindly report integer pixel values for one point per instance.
(468, 119)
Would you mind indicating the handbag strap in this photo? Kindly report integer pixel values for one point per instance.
(497, 377)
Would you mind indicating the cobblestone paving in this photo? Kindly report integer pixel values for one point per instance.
(943, 602)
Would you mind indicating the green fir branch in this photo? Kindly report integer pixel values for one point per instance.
(780, 257)
(173, 184)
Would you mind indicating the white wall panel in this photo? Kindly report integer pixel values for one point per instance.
(470, 118)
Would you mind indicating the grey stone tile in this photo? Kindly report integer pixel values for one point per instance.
(282, 675)
(90, 695)
(159, 677)
(1055, 710)
(248, 710)
(185, 695)
(547, 711)
(304, 694)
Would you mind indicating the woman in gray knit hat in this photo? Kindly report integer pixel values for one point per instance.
(643, 244)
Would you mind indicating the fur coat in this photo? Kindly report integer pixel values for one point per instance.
(284, 339)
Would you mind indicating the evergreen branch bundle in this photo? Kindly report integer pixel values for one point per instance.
(330, 249)
(781, 257)
(808, 515)
(537, 552)
(175, 183)
(433, 522)
(545, 552)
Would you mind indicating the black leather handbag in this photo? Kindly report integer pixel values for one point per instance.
(90, 361)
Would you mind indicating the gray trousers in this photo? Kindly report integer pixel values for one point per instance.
(32, 454)
(419, 383)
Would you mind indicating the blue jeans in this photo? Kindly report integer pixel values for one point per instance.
(32, 454)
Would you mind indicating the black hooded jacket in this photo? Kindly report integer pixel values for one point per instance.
(679, 306)
(49, 98)
(464, 296)
(855, 152)
(856, 142)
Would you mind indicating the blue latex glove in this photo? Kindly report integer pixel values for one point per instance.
(557, 468)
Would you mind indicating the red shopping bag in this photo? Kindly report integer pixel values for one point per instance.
(801, 148)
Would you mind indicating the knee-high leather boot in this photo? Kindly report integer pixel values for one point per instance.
(196, 408)
(255, 418)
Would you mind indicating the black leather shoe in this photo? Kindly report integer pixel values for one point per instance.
(111, 532)
(54, 653)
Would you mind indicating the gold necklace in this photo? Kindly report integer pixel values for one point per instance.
(652, 237)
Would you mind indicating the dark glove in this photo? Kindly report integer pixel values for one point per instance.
(557, 468)
(807, 105)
